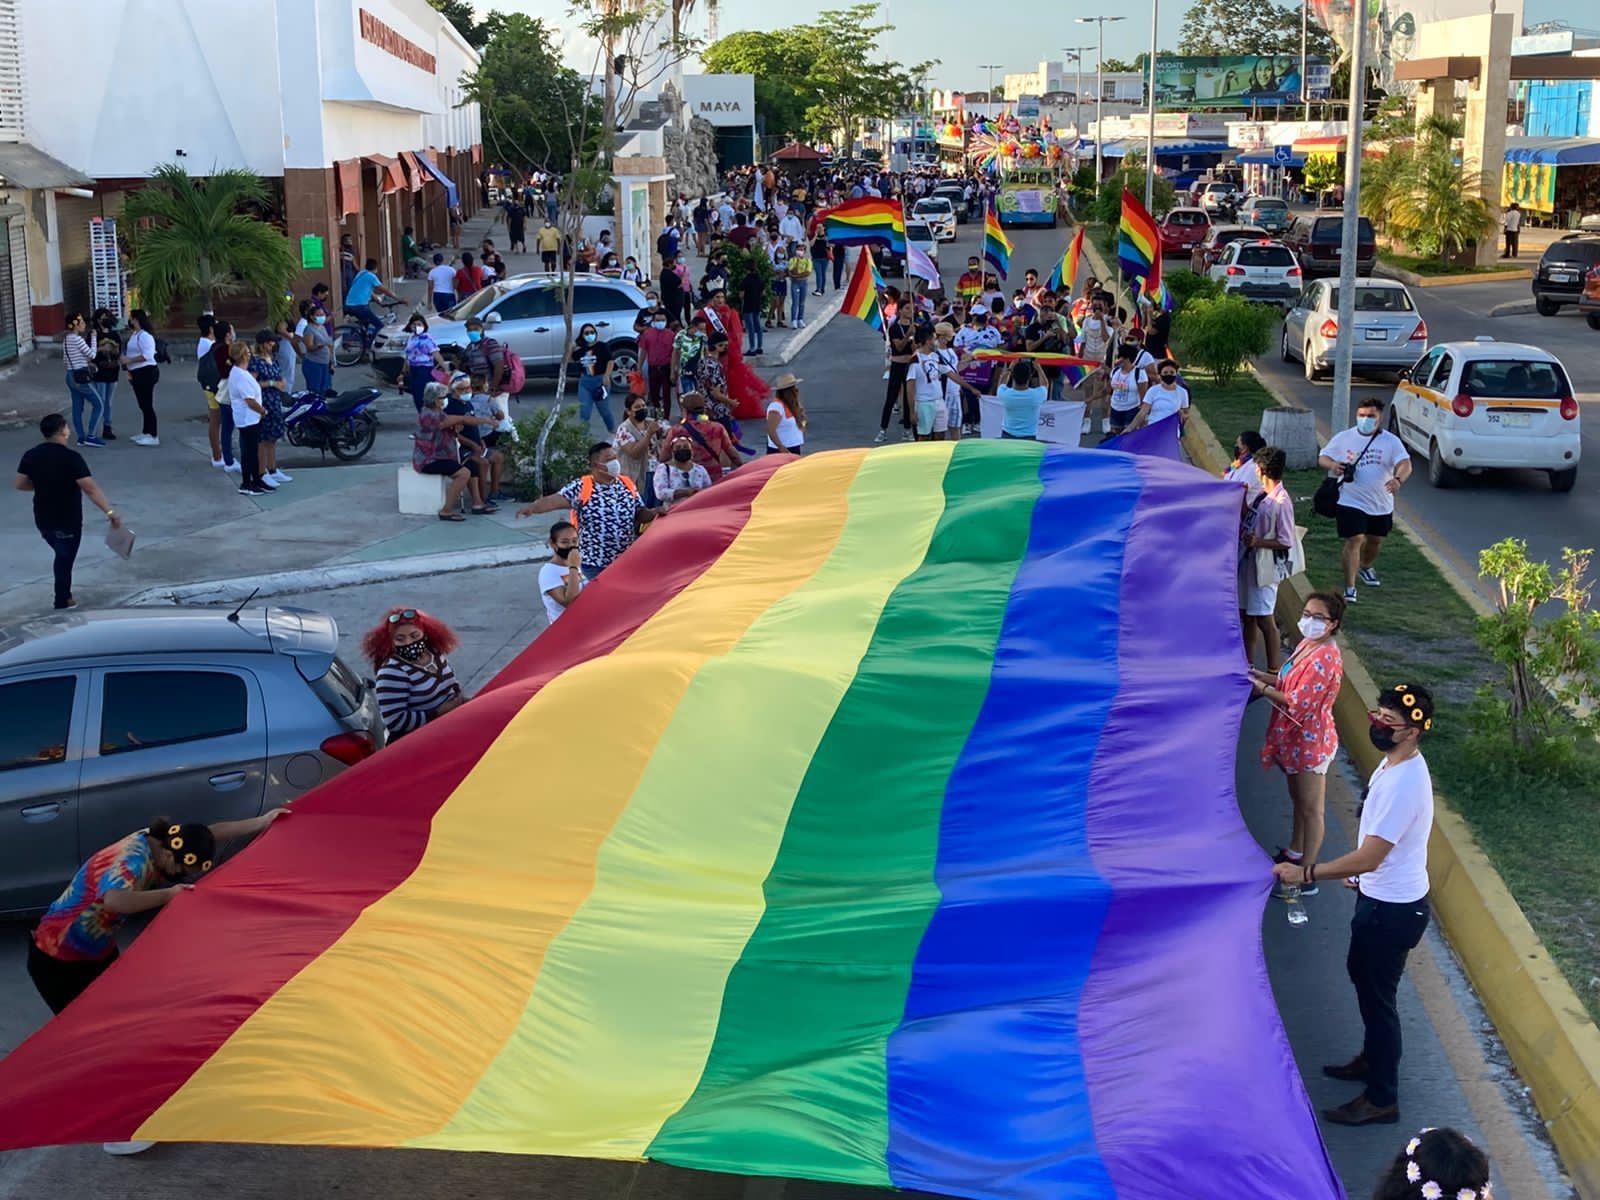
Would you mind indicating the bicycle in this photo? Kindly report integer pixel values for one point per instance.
(353, 340)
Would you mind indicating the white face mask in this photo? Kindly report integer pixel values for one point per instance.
(1313, 627)
(614, 468)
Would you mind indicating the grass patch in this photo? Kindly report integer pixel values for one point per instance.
(1538, 830)
(1432, 266)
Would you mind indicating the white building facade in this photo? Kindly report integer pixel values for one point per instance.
(353, 107)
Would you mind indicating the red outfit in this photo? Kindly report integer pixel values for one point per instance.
(746, 389)
(1306, 737)
(716, 442)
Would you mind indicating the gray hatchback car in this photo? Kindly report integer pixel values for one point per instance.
(110, 718)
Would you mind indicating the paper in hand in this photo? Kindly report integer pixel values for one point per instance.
(120, 540)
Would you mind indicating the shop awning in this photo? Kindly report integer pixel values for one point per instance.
(348, 174)
(1165, 147)
(25, 166)
(1319, 145)
(451, 195)
(1555, 152)
(392, 179)
(413, 170)
(1265, 158)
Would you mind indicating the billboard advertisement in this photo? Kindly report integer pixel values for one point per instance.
(1233, 80)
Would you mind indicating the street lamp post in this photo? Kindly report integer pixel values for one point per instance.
(1350, 234)
(991, 68)
(1076, 53)
(1100, 94)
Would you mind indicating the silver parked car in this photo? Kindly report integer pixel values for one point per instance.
(1390, 334)
(110, 718)
(524, 312)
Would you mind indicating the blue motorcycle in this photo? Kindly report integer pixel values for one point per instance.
(338, 422)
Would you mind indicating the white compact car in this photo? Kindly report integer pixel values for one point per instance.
(1259, 269)
(1483, 404)
(940, 214)
(1390, 333)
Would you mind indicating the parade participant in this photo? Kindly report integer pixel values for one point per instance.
(607, 507)
(687, 347)
(1243, 468)
(1128, 386)
(1301, 739)
(1164, 398)
(415, 683)
(1374, 464)
(1096, 334)
(1390, 862)
(561, 579)
(1022, 395)
(714, 447)
(924, 387)
(656, 346)
(960, 396)
(970, 285)
(592, 359)
(1437, 1162)
(747, 391)
(1266, 535)
(1082, 305)
(902, 335)
(786, 417)
(680, 477)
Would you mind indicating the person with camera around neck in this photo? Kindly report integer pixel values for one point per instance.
(1373, 464)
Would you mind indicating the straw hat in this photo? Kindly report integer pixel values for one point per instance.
(785, 381)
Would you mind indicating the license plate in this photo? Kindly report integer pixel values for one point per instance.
(1563, 277)
(1376, 335)
(1516, 420)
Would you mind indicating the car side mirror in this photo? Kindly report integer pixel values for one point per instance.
(492, 319)
(1404, 374)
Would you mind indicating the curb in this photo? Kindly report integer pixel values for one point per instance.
(1412, 279)
(1553, 1044)
(1514, 308)
(829, 310)
(321, 579)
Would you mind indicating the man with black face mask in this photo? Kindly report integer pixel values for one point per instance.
(1391, 863)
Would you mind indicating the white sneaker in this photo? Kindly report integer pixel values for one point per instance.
(123, 1149)
(1085, 429)
(282, 476)
(144, 439)
(233, 468)
(880, 437)
(268, 483)
(218, 463)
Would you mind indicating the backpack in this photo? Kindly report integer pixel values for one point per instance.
(664, 244)
(207, 373)
(516, 374)
(586, 493)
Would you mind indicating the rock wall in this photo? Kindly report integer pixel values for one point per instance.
(692, 158)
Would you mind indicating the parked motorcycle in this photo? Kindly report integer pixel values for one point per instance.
(338, 422)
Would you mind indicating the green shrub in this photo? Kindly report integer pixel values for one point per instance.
(566, 452)
(1220, 334)
(1108, 203)
(741, 263)
(1186, 286)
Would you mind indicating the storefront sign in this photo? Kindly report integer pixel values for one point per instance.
(391, 41)
(725, 100)
(1247, 135)
(311, 252)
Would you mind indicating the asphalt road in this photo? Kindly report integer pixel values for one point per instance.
(1453, 1073)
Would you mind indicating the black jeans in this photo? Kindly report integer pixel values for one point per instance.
(894, 393)
(144, 391)
(1381, 936)
(65, 543)
(838, 268)
(60, 982)
(250, 455)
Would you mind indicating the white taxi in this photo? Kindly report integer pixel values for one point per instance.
(1483, 404)
(940, 215)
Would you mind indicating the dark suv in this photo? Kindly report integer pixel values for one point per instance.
(1559, 277)
(1315, 241)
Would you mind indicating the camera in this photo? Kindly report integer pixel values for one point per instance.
(1348, 473)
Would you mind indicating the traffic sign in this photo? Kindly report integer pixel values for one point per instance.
(1282, 155)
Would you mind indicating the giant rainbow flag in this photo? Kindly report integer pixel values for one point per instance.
(867, 222)
(976, 914)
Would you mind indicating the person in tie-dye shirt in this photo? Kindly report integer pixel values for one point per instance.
(75, 941)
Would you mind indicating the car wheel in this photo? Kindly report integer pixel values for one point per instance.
(1312, 367)
(1562, 481)
(1593, 319)
(1440, 473)
(624, 362)
(1283, 345)
(1545, 308)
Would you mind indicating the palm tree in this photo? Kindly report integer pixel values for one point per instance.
(1432, 209)
(1381, 180)
(682, 8)
(198, 237)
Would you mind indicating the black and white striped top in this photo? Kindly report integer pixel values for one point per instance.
(408, 694)
(79, 353)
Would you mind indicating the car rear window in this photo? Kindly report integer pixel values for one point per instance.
(1375, 299)
(1265, 256)
(340, 689)
(1234, 235)
(1331, 230)
(1189, 218)
(1578, 252)
(1509, 378)
(1274, 205)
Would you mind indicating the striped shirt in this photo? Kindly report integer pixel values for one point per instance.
(79, 353)
(408, 695)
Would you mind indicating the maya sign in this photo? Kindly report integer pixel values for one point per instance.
(721, 99)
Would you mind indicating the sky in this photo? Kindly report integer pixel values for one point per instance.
(1014, 36)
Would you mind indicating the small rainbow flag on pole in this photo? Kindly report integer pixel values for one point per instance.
(868, 222)
(1066, 272)
(1139, 248)
(996, 246)
(861, 297)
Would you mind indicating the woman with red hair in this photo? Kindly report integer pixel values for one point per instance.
(415, 681)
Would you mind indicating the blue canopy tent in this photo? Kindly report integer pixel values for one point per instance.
(1554, 152)
(452, 195)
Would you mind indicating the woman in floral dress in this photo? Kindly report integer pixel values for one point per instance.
(1301, 739)
(264, 366)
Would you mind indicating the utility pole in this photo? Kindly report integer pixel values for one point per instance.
(1150, 133)
(1100, 95)
(1349, 242)
(1305, 33)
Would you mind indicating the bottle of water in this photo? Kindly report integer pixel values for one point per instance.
(1296, 911)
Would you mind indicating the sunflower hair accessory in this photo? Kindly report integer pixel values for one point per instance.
(190, 859)
(1430, 1189)
(174, 830)
(175, 843)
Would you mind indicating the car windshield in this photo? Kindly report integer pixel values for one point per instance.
(1265, 256)
(937, 205)
(475, 304)
(1509, 378)
(1376, 299)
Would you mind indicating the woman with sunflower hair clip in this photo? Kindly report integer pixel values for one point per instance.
(1437, 1164)
(1390, 862)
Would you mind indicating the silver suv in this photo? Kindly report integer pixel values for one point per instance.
(524, 312)
(110, 718)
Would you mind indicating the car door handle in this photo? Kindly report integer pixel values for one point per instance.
(38, 814)
(541, 329)
(227, 781)
(601, 324)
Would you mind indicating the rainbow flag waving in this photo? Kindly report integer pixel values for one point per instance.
(935, 968)
(861, 297)
(996, 246)
(868, 222)
(1066, 271)
(1139, 246)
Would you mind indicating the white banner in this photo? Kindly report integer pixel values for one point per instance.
(1060, 421)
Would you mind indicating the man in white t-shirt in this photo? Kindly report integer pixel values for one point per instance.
(1166, 398)
(925, 387)
(1391, 863)
(442, 284)
(561, 579)
(1375, 464)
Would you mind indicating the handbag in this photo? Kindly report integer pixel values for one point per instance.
(83, 375)
(1325, 503)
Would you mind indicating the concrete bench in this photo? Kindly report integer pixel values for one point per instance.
(420, 495)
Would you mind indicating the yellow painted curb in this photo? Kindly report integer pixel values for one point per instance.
(1412, 279)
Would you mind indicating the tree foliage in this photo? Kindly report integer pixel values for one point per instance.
(459, 13)
(1219, 335)
(820, 79)
(1121, 66)
(1431, 205)
(536, 111)
(206, 238)
(1249, 27)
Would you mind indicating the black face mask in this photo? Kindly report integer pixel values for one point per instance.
(412, 651)
(1169, 379)
(1382, 736)
(562, 551)
(683, 455)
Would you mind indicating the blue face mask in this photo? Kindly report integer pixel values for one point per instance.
(474, 335)
(588, 337)
(1367, 425)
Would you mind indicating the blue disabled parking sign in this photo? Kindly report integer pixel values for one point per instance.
(1282, 155)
